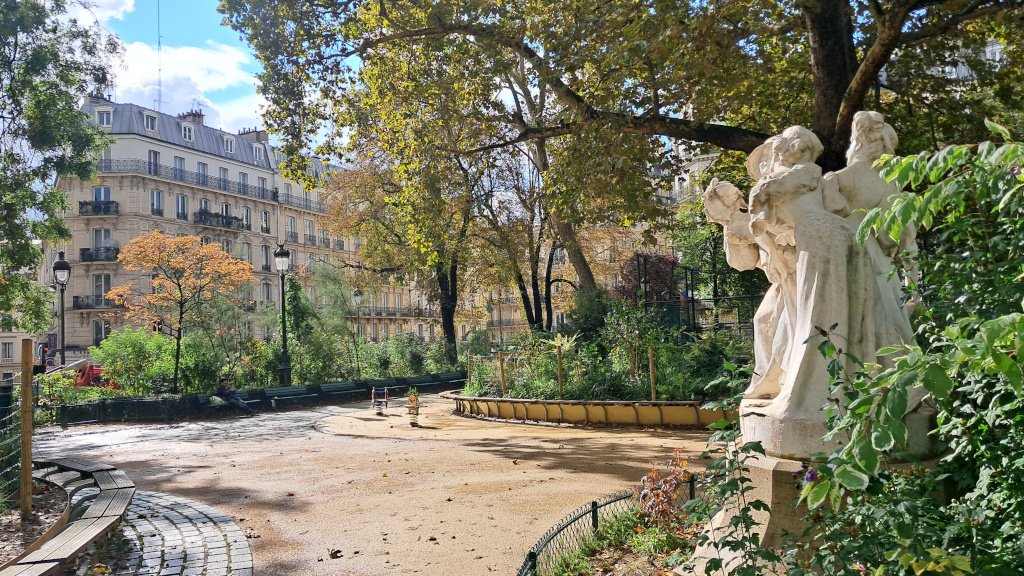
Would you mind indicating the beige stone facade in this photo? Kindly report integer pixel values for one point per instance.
(176, 175)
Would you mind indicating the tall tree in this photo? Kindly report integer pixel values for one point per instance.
(185, 274)
(47, 64)
(722, 72)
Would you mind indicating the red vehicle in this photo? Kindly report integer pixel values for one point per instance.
(89, 374)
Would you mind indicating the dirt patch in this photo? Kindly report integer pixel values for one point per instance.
(48, 503)
(360, 494)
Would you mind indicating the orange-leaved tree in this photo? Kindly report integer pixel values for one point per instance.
(184, 272)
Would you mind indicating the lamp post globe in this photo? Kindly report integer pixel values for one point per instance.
(282, 258)
(61, 276)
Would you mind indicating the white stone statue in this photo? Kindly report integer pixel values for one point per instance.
(821, 277)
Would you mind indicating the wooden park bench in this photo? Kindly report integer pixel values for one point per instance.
(93, 518)
(250, 398)
(275, 397)
(331, 391)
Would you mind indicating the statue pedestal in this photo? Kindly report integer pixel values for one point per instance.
(795, 436)
(774, 482)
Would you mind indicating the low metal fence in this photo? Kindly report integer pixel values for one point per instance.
(579, 527)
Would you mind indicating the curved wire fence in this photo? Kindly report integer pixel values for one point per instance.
(575, 530)
(572, 532)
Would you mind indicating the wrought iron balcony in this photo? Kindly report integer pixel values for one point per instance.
(304, 203)
(291, 236)
(156, 211)
(105, 254)
(98, 208)
(310, 240)
(91, 302)
(137, 166)
(207, 218)
(339, 244)
(264, 229)
(182, 216)
(265, 267)
(325, 242)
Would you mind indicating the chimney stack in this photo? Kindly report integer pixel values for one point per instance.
(193, 116)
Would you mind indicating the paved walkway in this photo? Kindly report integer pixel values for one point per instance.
(165, 535)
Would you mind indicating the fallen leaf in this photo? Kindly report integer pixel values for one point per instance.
(334, 554)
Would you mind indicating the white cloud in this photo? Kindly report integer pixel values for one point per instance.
(102, 11)
(189, 73)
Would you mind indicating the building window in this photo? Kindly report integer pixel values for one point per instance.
(104, 117)
(398, 329)
(187, 132)
(247, 253)
(7, 352)
(204, 205)
(100, 330)
(287, 189)
(243, 182)
(101, 193)
(398, 300)
(420, 331)
(225, 244)
(201, 171)
(181, 207)
(229, 145)
(223, 182)
(384, 331)
(101, 238)
(154, 163)
(262, 184)
(100, 285)
(265, 222)
(150, 122)
(373, 332)
(156, 202)
(204, 240)
(265, 291)
(225, 209)
(257, 152)
(246, 218)
(310, 258)
(289, 224)
(265, 257)
(179, 168)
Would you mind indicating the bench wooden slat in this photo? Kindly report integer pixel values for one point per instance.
(78, 465)
(40, 569)
(75, 537)
(110, 503)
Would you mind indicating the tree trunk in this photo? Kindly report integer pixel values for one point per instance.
(177, 350)
(833, 63)
(447, 279)
(563, 230)
(547, 285)
(524, 297)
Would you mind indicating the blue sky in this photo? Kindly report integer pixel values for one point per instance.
(203, 63)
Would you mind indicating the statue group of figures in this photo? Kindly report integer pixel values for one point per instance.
(799, 226)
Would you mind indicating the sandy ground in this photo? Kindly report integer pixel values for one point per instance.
(454, 497)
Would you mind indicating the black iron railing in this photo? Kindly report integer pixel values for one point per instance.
(90, 302)
(339, 244)
(291, 236)
(98, 208)
(305, 203)
(136, 166)
(207, 218)
(406, 311)
(106, 254)
(181, 216)
(310, 240)
(156, 211)
(325, 242)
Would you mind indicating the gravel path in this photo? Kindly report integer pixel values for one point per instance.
(341, 491)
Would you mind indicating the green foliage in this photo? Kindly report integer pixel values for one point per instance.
(48, 63)
(726, 485)
(587, 316)
(881, 521)
(135, 358)
(59, 388)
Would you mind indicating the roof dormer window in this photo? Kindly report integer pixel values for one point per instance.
(188, 132)
(105, 117)
(229, 145)
(257, 152)
(149, 120)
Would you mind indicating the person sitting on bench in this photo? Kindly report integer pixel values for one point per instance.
(227, 394)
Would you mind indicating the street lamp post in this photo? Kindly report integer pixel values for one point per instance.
(282, 258)
(61, 275)
(357, 298)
